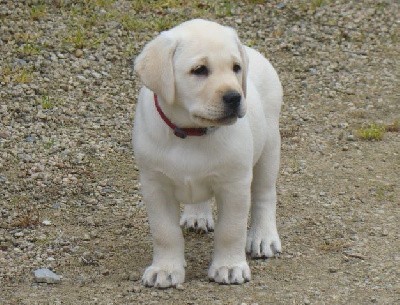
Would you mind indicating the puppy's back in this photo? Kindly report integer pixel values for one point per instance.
(266, 81)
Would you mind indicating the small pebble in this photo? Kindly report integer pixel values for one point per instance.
(134, 276)
(86, 237)
(46, 276)
(136, 289)
(180, 287)
(78, 53)
(333, 270)
(46, 222)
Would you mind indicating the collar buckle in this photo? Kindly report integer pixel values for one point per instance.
(180, 133)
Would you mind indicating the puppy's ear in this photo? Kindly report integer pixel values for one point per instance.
(154, 66)
(245, 65)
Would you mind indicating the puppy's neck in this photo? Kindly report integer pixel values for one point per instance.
(178, 130)
(176, 113)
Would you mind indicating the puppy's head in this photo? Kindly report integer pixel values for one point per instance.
(200, 66)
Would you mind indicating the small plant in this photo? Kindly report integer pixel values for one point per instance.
(78, 38)
(255, 1)
(28, 219)
(19, 75)
(162, 24)
(6, 74)
(373, 132)
(23, 76)
(27, 215)
(38, 11)
(132, 23)
(29, 49)
(26, 37)
(224, 9)
(81, 39)
(394, 127)
(49, 144)
(46, 102)
(316, 4)
(384, 193)
(129, 50)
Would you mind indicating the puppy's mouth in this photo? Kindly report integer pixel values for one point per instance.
(225, 120)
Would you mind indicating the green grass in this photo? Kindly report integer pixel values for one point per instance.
(37, 12)
(46, 102)
(384, 192)
(17, 75)
(312, 5)
(78, 38)
(85, 18)
(132, 23)
(49, 144)
(81, 38)
(29, 49)
(24, 76)
(317, 3)
(373, 132)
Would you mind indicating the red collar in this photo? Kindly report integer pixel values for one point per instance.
(179, 132)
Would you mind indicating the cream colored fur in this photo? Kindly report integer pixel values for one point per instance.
(237, 162)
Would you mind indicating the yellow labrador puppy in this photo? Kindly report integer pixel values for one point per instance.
(207, 125)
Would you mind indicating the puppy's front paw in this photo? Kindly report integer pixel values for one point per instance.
(263, 243)
(235, 274)
(159, 277)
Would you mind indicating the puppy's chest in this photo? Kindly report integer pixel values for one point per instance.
(191, 172)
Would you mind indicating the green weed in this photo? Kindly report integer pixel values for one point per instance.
(46, 102)
(38, 11)
(6, 74)
(22, 76)
(49, 144)
(373, 132)
(132, 23)
(317, 3)
(78, 38)
(29, 49)
(81, 38)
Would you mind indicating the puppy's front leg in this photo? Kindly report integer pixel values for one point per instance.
(229, 264)
(168, 267)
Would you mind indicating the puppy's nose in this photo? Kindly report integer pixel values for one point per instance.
(232, 100)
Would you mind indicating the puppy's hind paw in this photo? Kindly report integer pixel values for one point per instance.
(200, 225)
(197, 217)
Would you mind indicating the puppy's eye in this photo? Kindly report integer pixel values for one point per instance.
(200, 71)
(237, 68)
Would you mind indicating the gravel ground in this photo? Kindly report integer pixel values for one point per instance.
(69, 198)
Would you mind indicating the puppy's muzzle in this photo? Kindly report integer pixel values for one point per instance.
(232, 100)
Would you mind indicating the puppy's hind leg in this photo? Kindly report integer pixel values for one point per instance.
(262, 238)
(198, 217)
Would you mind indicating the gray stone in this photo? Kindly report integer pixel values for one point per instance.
(46, 276)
